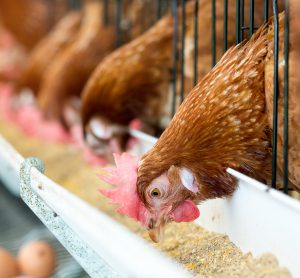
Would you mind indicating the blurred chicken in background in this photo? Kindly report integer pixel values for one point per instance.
(134, 81)
(30, 20)
(62, 35)
(294, 94)
(64, 79)
(62, 83)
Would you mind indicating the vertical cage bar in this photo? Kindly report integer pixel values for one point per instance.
(165, 4)
(196, 14)
(242, 23)
(237, 21)
(214, 59)
(158, 9)
(276, 93)
(182, 49)
(286, 99)
(75, 4)
(175, 54)
(105, 12)
(118, 22)
(266, 10)
(251, 29)
(225, 26)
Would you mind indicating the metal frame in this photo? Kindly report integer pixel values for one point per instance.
(87, 258)
(103, 247)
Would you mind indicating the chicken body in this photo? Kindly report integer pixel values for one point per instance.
(30, 20)
(294, 94)
(134, 81)
(46, 50)
(67, 75)
(222, 123)
(115, 82)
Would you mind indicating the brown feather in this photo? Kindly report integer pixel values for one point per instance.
(30, 20)
(109, 82)
(46, 50)
(68, 73)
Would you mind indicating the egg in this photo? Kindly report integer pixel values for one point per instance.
(37, 259)
(8, 265)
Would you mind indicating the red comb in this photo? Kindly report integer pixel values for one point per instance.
(6, 92)
(124, 194)
(32, 122)
(124, 178)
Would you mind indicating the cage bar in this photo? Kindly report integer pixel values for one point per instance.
(242, 20)
(158, 9)
(196, 14)
(182, 50)
(164, 6)
(266, 10)
(286, 100)
(214, 36)
(237, 21)
(251, 28)
(118, 22)
(276, 93)
(75, 4)
(175, 53)
(225, 26)
(105, 12)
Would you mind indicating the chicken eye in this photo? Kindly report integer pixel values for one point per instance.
(155, 192)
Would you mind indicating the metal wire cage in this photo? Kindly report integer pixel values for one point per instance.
(241, 27)
(245, 26)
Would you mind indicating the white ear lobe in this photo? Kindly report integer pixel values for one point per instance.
(188, 180)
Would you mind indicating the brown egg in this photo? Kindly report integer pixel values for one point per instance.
(37, 259)
(8, 265)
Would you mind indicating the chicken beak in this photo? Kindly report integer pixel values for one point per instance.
(157, 233)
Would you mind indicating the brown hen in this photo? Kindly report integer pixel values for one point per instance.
(294, 94)
(133, 82)
(222, 123)
(130, 83)
(68, 73)
(30, 20)
(46, 50)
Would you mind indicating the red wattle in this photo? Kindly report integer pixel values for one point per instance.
(187, 211)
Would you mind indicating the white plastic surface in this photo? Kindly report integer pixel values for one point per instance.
(258, 220)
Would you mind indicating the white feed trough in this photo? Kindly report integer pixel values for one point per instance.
(256, 219)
